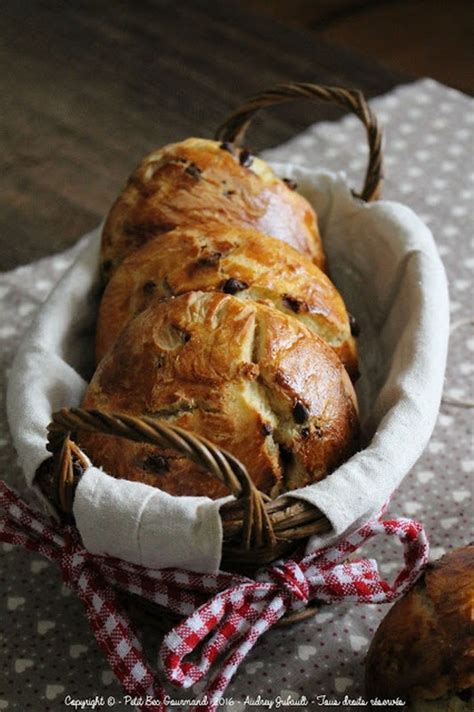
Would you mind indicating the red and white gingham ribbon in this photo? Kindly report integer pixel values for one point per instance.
(234, 609)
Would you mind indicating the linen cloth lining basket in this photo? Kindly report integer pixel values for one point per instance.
(402, 350)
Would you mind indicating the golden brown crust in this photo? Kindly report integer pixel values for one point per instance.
(238, 261)
(253, 380)
(195, 182)
(424, 647)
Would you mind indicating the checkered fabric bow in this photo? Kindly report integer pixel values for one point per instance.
(231, 612)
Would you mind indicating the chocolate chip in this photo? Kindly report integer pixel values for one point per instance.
(227, 146)
(177, 333)
(106, 267)
(157, 464)
(229, 193)
(245, 158)
(145, 229)
(292, 184)
(232, 286)
(267, 429)
(149, 287)
(300, 413)
(296, 305)
(355, 328)
(286, 455)
(209, 260)
(305, 433)
(193, 170)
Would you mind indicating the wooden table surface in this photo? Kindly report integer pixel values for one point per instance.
(89, 88)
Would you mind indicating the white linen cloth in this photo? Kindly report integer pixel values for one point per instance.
(384, 261)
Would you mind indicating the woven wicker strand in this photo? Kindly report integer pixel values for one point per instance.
(235, 127)
(256, 526)
(256, 529)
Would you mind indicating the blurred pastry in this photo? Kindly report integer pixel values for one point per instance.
(423, 651)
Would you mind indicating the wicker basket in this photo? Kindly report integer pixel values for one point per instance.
(256, 530)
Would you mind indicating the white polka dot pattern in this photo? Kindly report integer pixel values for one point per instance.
(46, 649)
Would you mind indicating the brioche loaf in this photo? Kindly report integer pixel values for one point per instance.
(217, 317)
(423, 650)
(255, 381)
(239, 261)
(198, 181)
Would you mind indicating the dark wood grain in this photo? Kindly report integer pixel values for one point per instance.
(88, 88)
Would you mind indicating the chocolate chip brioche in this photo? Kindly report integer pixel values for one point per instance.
(239, 261)
(254, 380)
(198, 181)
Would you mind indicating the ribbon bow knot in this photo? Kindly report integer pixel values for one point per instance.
(72, 558)
(224, 614)
(293, 584)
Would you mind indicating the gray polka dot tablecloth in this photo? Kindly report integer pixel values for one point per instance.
(47, 650)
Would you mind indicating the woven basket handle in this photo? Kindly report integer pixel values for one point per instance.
(257, 527)
(235, 127)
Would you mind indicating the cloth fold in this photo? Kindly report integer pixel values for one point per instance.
(157, 529)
